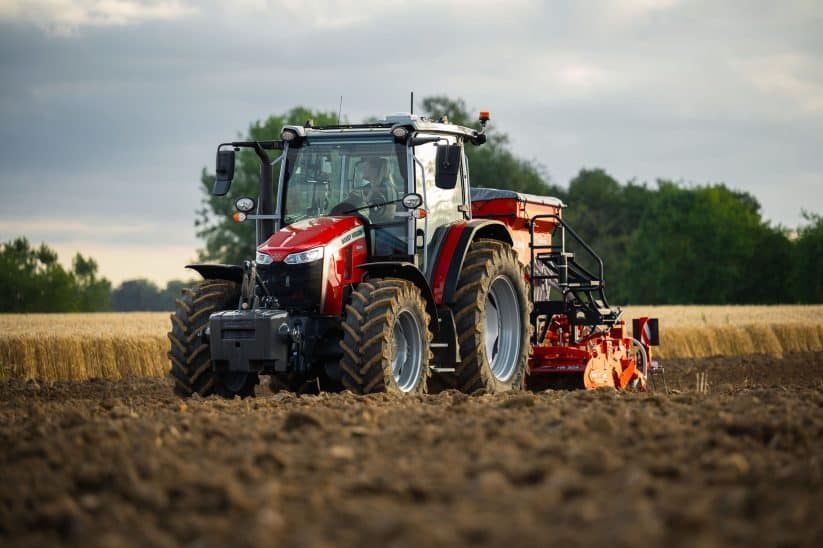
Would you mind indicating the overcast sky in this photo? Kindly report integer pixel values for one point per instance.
(111, 108)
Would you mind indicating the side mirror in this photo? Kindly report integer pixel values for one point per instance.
(224, 172)
(412, 200)
(448, 165)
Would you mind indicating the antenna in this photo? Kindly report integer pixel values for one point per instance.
(411, 101)
(340, 110)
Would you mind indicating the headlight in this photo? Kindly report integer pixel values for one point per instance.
(308, 256)
(263, 258)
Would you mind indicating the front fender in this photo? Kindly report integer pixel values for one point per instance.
(232, 273)
(406, 271)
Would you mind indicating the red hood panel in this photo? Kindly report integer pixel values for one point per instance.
(307, 234)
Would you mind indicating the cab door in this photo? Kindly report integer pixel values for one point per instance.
(443, 206)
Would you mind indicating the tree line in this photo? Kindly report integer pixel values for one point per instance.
(32, 280)
(678, 244)
(665, 243)
(661, 243)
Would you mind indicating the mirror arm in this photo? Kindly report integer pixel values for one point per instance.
(426, 207)
(265, 204)
(417, 141)
(267, 145)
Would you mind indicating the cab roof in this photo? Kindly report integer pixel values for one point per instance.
(384, 126)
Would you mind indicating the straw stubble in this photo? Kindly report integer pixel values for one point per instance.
(116, 345)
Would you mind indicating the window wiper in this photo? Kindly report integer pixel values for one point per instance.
(378, 204)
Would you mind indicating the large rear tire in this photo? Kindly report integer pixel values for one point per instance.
(492, 314)
(191, 366)
(386, 339)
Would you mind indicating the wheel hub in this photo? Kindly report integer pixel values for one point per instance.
(406, 359)
(503, 329)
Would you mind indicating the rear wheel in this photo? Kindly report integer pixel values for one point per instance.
(492, 311)
(191, 366)
(386, 338)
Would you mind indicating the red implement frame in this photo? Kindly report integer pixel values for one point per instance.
(589, 356)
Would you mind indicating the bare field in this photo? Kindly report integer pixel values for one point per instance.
(117, 345)
(125, 463)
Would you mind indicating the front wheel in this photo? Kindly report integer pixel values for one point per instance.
(492, 314)
(191, 366)
(386, 338)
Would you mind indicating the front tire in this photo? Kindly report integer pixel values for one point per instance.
(492, 314)
(386, 340)
(191, 366)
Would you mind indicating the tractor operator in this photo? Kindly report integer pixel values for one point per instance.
(377, 187)
(378, 190)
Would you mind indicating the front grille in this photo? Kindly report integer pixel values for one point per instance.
(294, 286)
(238, 334)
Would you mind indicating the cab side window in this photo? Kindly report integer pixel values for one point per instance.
(443, 205)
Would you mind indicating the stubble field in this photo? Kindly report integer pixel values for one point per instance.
(118, 345)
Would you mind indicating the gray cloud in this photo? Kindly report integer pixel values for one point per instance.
(62, 18)
(111, 120)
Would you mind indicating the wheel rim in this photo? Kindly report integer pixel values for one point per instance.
(408, 342)
(640, 356)
(503, 329)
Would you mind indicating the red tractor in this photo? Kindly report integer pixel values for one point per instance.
(379, 268)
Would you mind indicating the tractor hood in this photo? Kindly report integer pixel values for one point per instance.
(310, 233)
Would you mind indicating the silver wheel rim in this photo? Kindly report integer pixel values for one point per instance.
(503, 329)
(406, 360)
(642, 358)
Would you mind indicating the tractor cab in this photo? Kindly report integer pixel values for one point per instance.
(402, 177)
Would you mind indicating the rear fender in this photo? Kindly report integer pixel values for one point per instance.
(228, 272)
(451, 253)
(406, 271)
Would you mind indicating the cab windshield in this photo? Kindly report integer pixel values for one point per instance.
(325, 176)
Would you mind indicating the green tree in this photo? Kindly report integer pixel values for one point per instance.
(225, 240)
(769, 273)
(492, 165)
(143, 294)
(807, 286)
(606, 214)
(173, 290)
(93, 293)
(694, 245)
(32, 280)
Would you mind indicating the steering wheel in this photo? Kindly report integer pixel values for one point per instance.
(380, 207)
(354, 202)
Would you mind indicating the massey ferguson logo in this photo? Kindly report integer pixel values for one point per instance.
(356, 233)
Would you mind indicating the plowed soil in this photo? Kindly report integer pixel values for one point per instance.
(126, 463)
